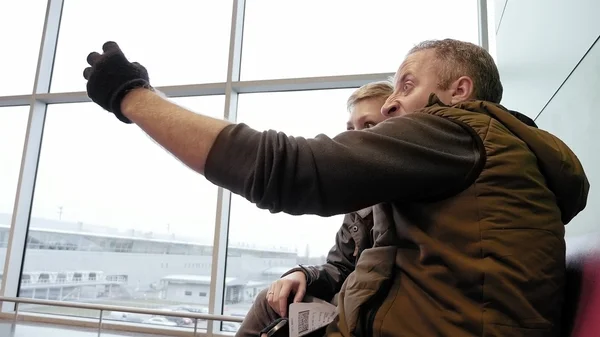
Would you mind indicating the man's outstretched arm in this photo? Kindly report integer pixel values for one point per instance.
(187, 135)
(405, 159)
(410, 158)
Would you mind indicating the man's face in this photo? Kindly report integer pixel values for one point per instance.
(366, 113)
(415, 80)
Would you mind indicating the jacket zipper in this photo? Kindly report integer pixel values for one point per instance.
(372, 306)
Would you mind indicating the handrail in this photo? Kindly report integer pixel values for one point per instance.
(103, 307)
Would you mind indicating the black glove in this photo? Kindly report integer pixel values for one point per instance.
(111, 76)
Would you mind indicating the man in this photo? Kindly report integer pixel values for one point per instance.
(470, 203)
(354, 236)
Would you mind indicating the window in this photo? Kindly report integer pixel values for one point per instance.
(337, 37)
(13, 124)
(202, 294)
(188, 293)
(180, 42)
(18, 60)
(267, 245)
(106, 183)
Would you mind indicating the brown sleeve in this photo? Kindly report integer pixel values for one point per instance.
(413, 158)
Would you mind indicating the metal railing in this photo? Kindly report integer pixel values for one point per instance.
(102, 308)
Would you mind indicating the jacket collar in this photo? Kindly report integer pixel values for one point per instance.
(363, 213)
(434, 101)
(479, 106)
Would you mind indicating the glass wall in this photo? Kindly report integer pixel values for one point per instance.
(21, 24)
(188, 43)
(337, 37)
(13, 124)
(114, 218)
(121, 215)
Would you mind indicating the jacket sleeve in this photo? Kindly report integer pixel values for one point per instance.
(324, 281)
(416, 157)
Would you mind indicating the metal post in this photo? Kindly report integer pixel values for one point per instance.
(195, 327)
(484, 39)
(100, 322)
(219, 258)
(16, 311)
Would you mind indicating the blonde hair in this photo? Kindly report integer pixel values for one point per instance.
(370, 90)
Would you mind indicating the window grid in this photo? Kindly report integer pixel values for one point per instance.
(40, 98)
(33, 140)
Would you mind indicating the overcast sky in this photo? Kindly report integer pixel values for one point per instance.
(103, 172)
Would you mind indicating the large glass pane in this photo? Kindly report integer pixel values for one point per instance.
(262, 246)
(21, 25)
(117, 220)
(179, 41)
(285, 39)
(13, 125)
(573, 117)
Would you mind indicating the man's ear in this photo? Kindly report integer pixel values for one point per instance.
(462, 90)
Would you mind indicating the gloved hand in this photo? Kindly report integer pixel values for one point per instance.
(111, 76)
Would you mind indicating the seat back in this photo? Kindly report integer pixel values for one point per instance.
(581, 310)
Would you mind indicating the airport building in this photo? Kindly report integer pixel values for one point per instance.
(68, 261)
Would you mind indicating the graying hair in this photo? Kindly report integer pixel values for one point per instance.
(458, 58)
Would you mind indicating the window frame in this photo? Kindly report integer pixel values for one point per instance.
(231, 88)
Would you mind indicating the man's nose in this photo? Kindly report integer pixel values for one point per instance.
(389, 109)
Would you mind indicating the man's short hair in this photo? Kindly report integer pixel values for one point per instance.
(381, 89)
(459, 58)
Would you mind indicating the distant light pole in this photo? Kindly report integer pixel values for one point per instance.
(60, 212)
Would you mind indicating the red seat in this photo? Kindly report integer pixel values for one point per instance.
(581, 311)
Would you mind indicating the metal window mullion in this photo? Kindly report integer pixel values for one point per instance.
(15, 253)
(17, 100)
(482, 14)
(219, 258)
(206, 89)
(308, 83)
